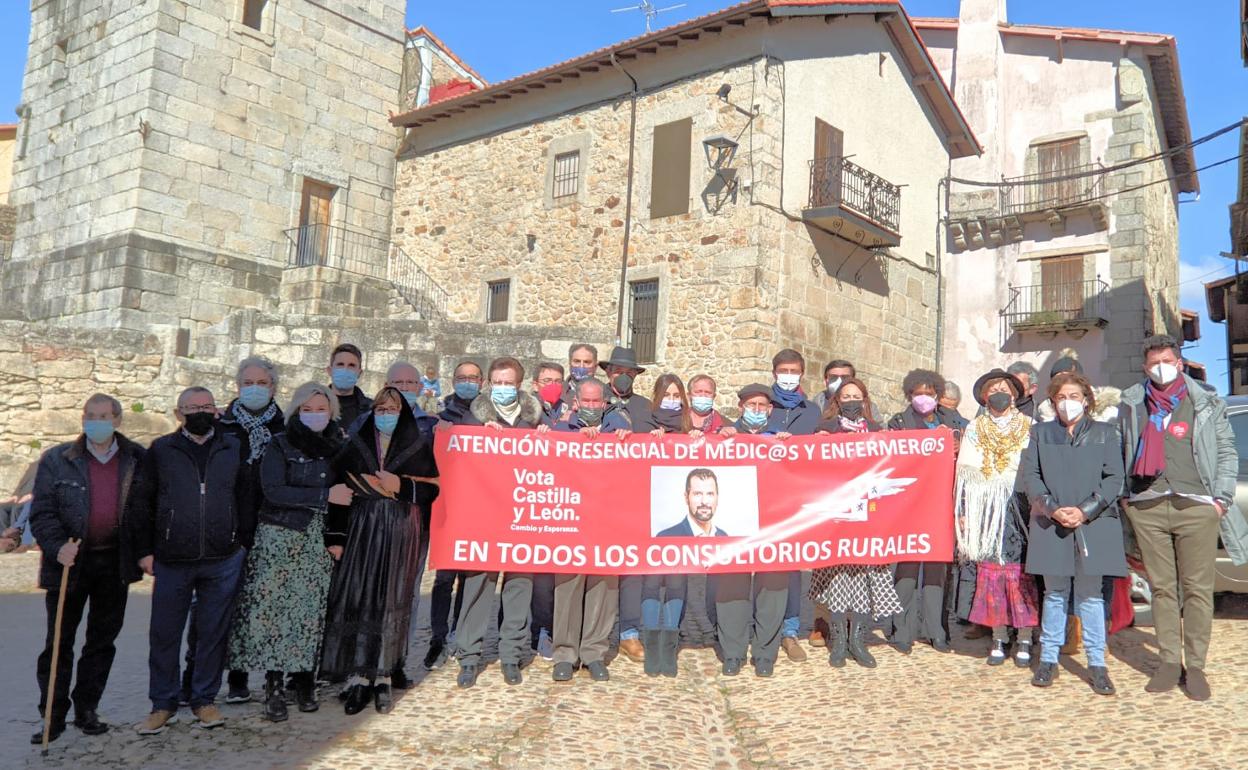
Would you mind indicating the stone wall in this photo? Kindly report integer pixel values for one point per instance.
(175, 121)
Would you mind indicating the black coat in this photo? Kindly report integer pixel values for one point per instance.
(296, 474)
(352, 406)
(801, 420)
(409, 455)
(62, 502)
(177, 515)
(250, 478)
(908, 419)
(1085, 471)
(457, 411)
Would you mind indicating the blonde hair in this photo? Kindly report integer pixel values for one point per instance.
(305, 392)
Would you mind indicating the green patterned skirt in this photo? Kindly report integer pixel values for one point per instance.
(280, 615)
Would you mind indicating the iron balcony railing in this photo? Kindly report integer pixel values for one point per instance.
(1052, 190)
(836, 181)
(362, 253)
(1058, 304)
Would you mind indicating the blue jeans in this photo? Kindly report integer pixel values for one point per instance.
(792, 608)
(214, 586)
(1089, 606)
(665, 613)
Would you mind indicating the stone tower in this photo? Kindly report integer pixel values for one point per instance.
(172, 154)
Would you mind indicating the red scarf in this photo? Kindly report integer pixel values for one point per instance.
(1150, 455)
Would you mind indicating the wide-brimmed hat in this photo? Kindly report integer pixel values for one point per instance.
(997, 374)
(623, 357)
(749, 391)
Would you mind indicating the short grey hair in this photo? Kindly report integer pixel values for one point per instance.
(184, 395)
(305, 392)
(582, 346)
(104, 398)
(397, 365)
(258, 361)
(952, 390)
(1022, 367)
(590, 382)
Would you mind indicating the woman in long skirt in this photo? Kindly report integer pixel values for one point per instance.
(853, 594)
(281, 608)
(388, 464)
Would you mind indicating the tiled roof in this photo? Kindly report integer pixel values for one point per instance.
(1163, 58)
(928, 79)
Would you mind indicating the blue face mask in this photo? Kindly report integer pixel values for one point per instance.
(503, 395)
(315, 421)
(754, 419)
(343, 378)
(702, 404)
(580, 372)
(467, 390)
(411, 397)
(386, 423)
(98, 431)
(254, 397)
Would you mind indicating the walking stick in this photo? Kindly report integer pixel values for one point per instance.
(56, 655)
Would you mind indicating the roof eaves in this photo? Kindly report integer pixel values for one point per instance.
(423, 31)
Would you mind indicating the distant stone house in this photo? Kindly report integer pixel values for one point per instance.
(1074, 242)
(784, 159)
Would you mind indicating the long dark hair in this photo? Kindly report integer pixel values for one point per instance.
(833, 409)
(660, 391)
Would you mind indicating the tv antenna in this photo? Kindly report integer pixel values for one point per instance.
(647, 8)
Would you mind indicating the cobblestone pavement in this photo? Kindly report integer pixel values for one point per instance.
(926, 710)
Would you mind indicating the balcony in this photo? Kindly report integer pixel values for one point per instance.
(1047, 309)
(854, 203)
(1054, 195)
(363, 254)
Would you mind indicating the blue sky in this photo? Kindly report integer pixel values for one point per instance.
(501, 39)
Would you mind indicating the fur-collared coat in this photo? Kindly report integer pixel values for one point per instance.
(530, 416)
(1107, 400)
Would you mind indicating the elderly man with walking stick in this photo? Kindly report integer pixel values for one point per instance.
(81, 490)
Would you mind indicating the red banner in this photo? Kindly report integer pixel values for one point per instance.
(560, 502)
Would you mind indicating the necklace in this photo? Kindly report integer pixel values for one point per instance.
(1000, 443)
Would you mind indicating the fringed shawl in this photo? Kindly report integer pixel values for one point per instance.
(984, 485)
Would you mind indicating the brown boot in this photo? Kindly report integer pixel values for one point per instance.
(820, 633)
(633, 650)
(1166, 678)
(793, 649)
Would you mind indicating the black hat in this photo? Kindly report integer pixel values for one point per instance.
(997, 374)
(624, 357)
(749, 391)
(1065, 364)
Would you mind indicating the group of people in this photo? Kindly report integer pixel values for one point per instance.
(292, 542)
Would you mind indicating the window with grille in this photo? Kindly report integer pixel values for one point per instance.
(567, 174)
(253, 13)
(498, 297)
(643, 319)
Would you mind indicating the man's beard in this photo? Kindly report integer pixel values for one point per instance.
(703, 513)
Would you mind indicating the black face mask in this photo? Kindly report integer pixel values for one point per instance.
(200, 423)
(851, 410)
(999, 402)
(623, 384)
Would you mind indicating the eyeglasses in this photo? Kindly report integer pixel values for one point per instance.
(547, 381)
(468, 378)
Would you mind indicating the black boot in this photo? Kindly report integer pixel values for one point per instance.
(305, 691)
(857, 642)
(358, 696)
(837, 641)
(650, 639)
(669, 642)
(274, 697)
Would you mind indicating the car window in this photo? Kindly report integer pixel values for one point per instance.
(1239, 424)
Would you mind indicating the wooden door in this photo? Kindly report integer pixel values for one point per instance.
(314, 219)
(829, 152)
(1061, 286)
(1057, 159)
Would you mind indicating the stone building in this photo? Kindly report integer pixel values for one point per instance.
(783, 158)
(8, 215)
(1068, 247)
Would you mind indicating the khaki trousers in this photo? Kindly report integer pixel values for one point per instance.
(1178, 539)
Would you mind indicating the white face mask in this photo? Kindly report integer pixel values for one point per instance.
(1070, 410)
(788, 381)
(834, 384)
(1163, 374)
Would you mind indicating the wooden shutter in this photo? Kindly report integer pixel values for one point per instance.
(829, 152)
(669, 170)
(1061, 281)
(1057, 159)
(314, 221)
